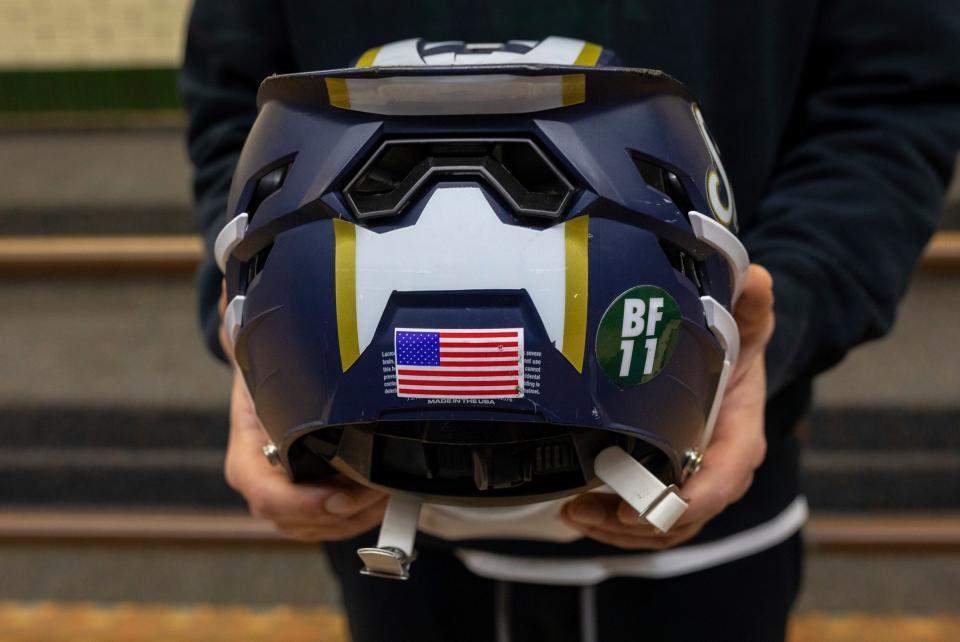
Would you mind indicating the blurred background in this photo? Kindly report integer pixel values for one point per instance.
(115, 522)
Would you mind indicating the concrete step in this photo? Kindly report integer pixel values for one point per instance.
(75, 427)
(877, 481)
(87, 343)
(115, 477)
(866, 429)
(124, 257)
(131, 181)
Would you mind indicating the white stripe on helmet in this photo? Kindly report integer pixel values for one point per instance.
(459, 244)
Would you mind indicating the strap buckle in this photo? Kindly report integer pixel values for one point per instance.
(390, 563)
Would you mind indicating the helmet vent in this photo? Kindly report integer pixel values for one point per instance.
(516, 168)
(684, 263)
(268, 183)
(663, 180)
(554, 457)
(255, 266)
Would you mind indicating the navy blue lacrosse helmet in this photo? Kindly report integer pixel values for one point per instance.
(462, 272)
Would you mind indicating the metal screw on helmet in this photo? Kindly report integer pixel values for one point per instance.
(692, 461)
(272, 453)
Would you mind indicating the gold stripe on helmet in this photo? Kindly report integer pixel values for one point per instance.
(366, 60)
(338, 92)
(345, 265)
(589, 55)
(575, 306)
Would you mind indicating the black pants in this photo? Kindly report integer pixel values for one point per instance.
(747, 600)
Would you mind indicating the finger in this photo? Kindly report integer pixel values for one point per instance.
(276, 498)
(756, 300)
(342, 522)
(271, 495)
(225, 344)
(627, 515)
(736, 450)
(741, 417)
(754, 314)
(591, 509)
(345, 529)
(242, 412)
(602, 511)
(267, 489)
(625, 541)
(719, 484)
(222, 334)
(364, 523)
(244, 465)
(638, 535)
(350, 497)
(622, 519)
(656, 543)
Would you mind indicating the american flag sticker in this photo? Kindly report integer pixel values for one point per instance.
(463, 364)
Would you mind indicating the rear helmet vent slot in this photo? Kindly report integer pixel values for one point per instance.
(516, 168)
(684, 263)
(664, 180)
(268, 183)
(255, 266)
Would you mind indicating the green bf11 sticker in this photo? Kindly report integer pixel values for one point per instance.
(637, 335)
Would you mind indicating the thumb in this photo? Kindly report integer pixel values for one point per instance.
(754, 314)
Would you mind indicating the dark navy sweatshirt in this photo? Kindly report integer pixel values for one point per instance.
(838, 122)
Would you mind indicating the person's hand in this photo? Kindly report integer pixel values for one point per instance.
(338, 508)
(736, 450)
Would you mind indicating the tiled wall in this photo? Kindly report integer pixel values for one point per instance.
(85, 34)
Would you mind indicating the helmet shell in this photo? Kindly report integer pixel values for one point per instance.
(329, 269)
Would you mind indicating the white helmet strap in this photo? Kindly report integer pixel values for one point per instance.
(656, 503)
(393, 554)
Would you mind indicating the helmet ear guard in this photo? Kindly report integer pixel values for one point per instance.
(356, 206)
(727, 245)
(719, 320)
(724, 327)
(233, 318)
(229, 238)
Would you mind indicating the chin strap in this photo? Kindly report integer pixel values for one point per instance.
(393, 554)
(657, 504)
